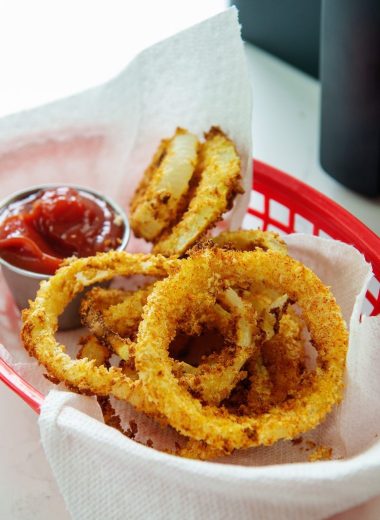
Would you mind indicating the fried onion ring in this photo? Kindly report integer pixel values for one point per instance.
(107, 311)
(125, 316)
(113, 322)
(219, 172)
(166, 181)
(213, 380)
(184, 292)
(250, 239)
(40, 323)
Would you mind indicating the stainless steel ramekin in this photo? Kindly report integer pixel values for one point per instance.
(24, 284)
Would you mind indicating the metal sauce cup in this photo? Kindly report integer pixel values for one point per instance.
(24, 284)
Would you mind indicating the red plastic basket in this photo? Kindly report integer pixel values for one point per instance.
(284, 204)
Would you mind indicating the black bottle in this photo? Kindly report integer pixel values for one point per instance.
(350, 81)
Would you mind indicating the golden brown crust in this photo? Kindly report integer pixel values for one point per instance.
(40, 322)
(91, 348)
(159, 197)
(214, 425)
(250, 240)
(245, 295)
(220, 181)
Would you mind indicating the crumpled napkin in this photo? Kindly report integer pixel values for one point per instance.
(104, 138)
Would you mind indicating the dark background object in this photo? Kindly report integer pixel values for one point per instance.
(288, 29)
(343, 36)
(350, 109)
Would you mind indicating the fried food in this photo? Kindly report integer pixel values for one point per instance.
(217, 183)
(215, 347)
(201, 276)
(114, 318)
(250, 239)
(112, 313)
(284, 357)
(214, 379)
(92, 349)
(160, 195)
(204, 380)
(242, 397)
(40, 323)
(275, 372)
(266, 389)
(217, 374)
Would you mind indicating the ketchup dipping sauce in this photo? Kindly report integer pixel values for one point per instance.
(37, 232)
(42, 225)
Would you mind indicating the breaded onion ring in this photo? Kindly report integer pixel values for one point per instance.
(114, 322)
(40, 323)
(108, 311)
(217, 374)
(250, 239)
(219, 172)
(214, 379)
(183, 293)
(166, 181)
(209, 380)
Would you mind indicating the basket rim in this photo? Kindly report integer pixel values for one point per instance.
(314, 203)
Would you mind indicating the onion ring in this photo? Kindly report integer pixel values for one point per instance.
(219, 172)
(213, 380)
(107, 311)
(250, 239)
(166, 181)
(204, 380)
(197, 281)
(114, 325)
(40, 322)
(216, 377)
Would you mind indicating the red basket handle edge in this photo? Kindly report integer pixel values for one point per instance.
(22, 388)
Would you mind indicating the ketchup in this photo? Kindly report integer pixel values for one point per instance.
(39, 231)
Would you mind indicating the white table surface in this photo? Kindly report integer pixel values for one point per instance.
(285, 133)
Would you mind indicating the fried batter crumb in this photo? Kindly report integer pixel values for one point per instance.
(133, 427)
(320, 453)
(52, 379)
